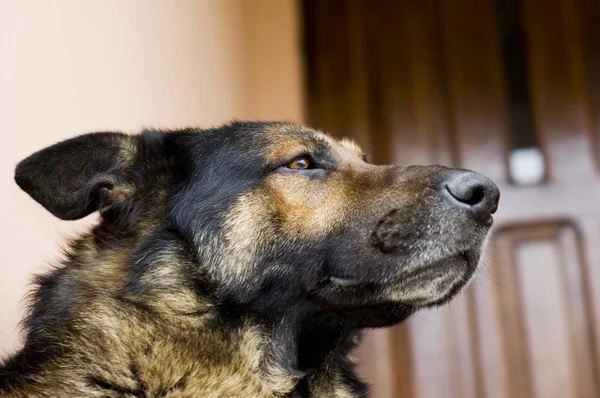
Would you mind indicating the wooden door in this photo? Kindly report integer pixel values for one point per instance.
(480, 84)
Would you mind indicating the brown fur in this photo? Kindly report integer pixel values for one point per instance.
(154, 303)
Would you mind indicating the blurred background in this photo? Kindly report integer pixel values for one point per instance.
(510, 88)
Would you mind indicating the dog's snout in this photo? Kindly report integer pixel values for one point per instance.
(474, 192)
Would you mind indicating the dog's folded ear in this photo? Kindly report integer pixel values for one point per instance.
(72, 178)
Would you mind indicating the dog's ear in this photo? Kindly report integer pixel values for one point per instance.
(73, 178)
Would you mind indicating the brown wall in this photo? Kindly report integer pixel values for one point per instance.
(70, 66)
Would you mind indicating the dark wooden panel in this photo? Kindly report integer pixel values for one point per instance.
(429, 82)
(475, 89)
(405, 79)
(491, 293)
(579, 307)
(336, 98)
(588, 13)
(546, 316)
(386, 363)
(558, 87)
(590, 228)
(430, 77)
(517, 380)
(445, 360)
(390, 89)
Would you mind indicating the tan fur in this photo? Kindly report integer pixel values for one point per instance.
(154, 303)
(307, 208)
(353, 146)
(284, 151)
(166, 349)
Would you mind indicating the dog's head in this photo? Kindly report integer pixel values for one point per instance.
(279, 215)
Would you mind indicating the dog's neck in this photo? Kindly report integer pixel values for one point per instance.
(123, 321)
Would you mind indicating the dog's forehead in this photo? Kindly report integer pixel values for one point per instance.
(289, 140)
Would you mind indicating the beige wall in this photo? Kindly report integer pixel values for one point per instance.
(71, 66)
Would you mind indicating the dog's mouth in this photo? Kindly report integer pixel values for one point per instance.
(422, 284)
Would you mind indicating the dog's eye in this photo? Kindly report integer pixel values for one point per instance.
(300, 163)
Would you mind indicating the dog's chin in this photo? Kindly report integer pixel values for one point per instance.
(433, 284)
(421, 285)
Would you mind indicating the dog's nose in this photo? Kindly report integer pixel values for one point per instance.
(475, 192)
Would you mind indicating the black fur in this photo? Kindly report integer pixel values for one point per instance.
(172, 193)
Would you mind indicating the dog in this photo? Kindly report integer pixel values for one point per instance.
(239, 261)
